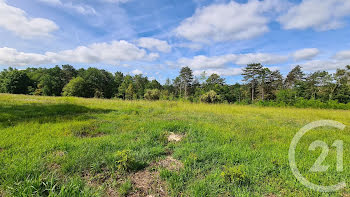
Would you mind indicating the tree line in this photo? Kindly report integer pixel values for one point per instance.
(261, 85)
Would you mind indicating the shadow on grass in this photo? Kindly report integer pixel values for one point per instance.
(10, 115)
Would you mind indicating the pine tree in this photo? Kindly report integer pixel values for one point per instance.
(251, 74)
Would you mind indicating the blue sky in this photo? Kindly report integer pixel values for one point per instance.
(158, 37)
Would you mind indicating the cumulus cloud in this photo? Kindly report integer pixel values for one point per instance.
(221, 71)
(320, 15)
(222, 65)
(201, 61)
(328, 65)
(264, 58)
(154, 44)
(231, 21)
(82, 9)
(109, 53)
(16, 20)
(137, 72)
(342, 55)
(11, 57)
(204, 62)
(305, 54)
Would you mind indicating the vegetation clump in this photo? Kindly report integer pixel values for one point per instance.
(152, 94)
(211, 97)
(235, 174)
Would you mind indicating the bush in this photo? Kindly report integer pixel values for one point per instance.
(286, 96)
(152, 94)
(235, 174)
(305, 103)
(123, 160)
(211, 97)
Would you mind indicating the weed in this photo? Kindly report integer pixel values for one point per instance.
(235, 174)
(125, 188)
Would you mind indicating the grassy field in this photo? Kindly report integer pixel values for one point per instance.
(91, 147)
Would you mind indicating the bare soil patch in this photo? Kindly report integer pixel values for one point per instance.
(171, 164)
(174, 137)
(147, 183)
(59, 153)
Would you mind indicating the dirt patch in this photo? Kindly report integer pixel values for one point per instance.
(87, 130)
(174, 137)
(111, 192)
(1, 149)
(97, 179)
(54, 167)
(171, 164)
(147, 183)
(2, 193)
(59, 153)
(103, 178)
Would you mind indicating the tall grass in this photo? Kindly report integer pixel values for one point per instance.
(72, 147)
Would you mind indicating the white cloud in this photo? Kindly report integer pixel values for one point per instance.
(11, 57)
(137, 72)
(220, 71)
(264, 58)
(82, 9)
(222, 65)
(305, 54)
(316, 65)
(16, 20)
(342, 55)
(231, 21)
(339, 60)
(320, 15)
(154, 44)
(204, 62)
(109, 53)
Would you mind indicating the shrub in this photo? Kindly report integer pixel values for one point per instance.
(152, 94)
(211, 97)
(286, 96)
(123, 160)
(235, 175)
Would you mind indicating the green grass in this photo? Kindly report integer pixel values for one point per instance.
(59, 146)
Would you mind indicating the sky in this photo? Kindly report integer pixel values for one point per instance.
(158, 37)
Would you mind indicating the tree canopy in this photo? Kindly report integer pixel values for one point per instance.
(260, 85)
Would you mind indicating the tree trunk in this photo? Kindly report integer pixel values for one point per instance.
(252, 93)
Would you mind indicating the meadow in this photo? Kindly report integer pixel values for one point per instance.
(65, 146)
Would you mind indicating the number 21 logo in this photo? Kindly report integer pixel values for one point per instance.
(318, 167)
